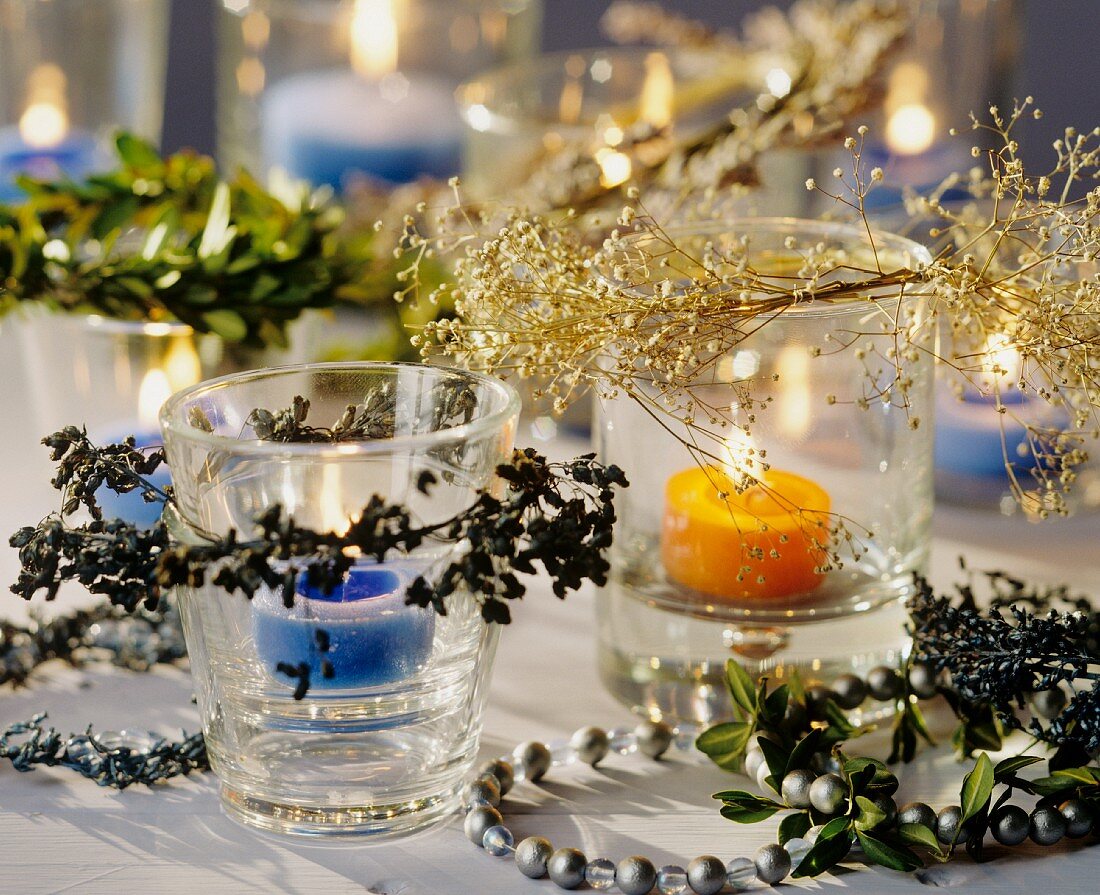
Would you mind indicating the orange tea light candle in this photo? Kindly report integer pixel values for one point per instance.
(723, 546)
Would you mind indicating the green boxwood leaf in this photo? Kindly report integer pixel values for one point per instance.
(977, 787)
(725, 744)
(832, 846)
(896, 856)
(919, 834)
(1007, 768)
(746, 808)
(804, 751)
(741, 687)
(227, 324)
(869, 816)
(136, 152)
(794, 826)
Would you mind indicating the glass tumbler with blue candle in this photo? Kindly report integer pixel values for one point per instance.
(329, 90)
(389, 725)
(72, 73)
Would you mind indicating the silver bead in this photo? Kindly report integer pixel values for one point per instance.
(566, 868)
(534, 758)
(591, 743)
(816, 697)
(531, 856)
(947, 825)
(635, 875)
(672, 880)
(828, 793)
(884, 683)
(762, 774)
(1047, 826)
(654, 738)
(917, 813)
(796, 788)
(503, 771)
(922, 680)
(706, 875)
(849, 691)
(1048, 703)
(498, 841)
(753, 759)
(813, 833)
(772, 863)
(1009, 825)
(797, 848)
(1078, 818)
(740, 873)
(484, 789)
(600, 874)
(825, 763)
(478, 821)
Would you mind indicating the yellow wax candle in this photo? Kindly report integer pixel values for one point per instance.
(708, 541)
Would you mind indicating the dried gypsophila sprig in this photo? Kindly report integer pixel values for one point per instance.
(540, 297)
(833, 53)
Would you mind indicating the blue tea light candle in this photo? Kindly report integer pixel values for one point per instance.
(973, 439)
(325, 126)
(374, 637)
(132, 507)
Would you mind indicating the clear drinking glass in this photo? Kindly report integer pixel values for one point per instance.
(677, 607)
(72, 73)
(328, 90)
(382, 747)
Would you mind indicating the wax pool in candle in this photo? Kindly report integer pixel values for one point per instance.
(374, 637)
(323, 126)
(704, 537)
(132, 507)
(75, 155)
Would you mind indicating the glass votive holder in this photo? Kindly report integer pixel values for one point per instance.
(587, 101)
(383, 746)
(114, 375)
(327, 90)
(73, 73)
(703, 572)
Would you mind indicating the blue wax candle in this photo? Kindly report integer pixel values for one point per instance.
(922, 172)
(969, 436)
(374, 637)
(76, 155)
(132, 507)
(327, 126)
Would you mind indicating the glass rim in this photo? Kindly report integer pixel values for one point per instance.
(324, 10)
(546, 65)
(790, 226)
(96, 322)
(172, 423)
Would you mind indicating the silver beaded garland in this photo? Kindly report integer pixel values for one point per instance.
(795, 788)
(706, 875)
(566, 867)
(1078, 818)
(531, 856)
(1009, 825)
(849, 691)
(922, 680)
(754, 757)
(654, 738)
(483, 789)
(884, 683)
(503, 771)
(828, 793)
(478, 821)
(534, 758)
(947, 825)
(591, 744)
(635, 875)
(1047, 826)
(917, 813)
(772, 863)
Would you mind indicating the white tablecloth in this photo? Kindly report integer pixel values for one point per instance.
(63, 834)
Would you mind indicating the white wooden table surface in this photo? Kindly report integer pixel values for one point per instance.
(61, 833)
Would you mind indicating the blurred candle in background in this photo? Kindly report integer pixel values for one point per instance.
(371, 118)
(43, 144)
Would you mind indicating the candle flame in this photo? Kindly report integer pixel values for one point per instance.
(334, 518)
(910, 124)
(615, 166)
(154, 391)
(45, 119)
(374, 37)
(794, 400)
(1002, 361)
(657, 91)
